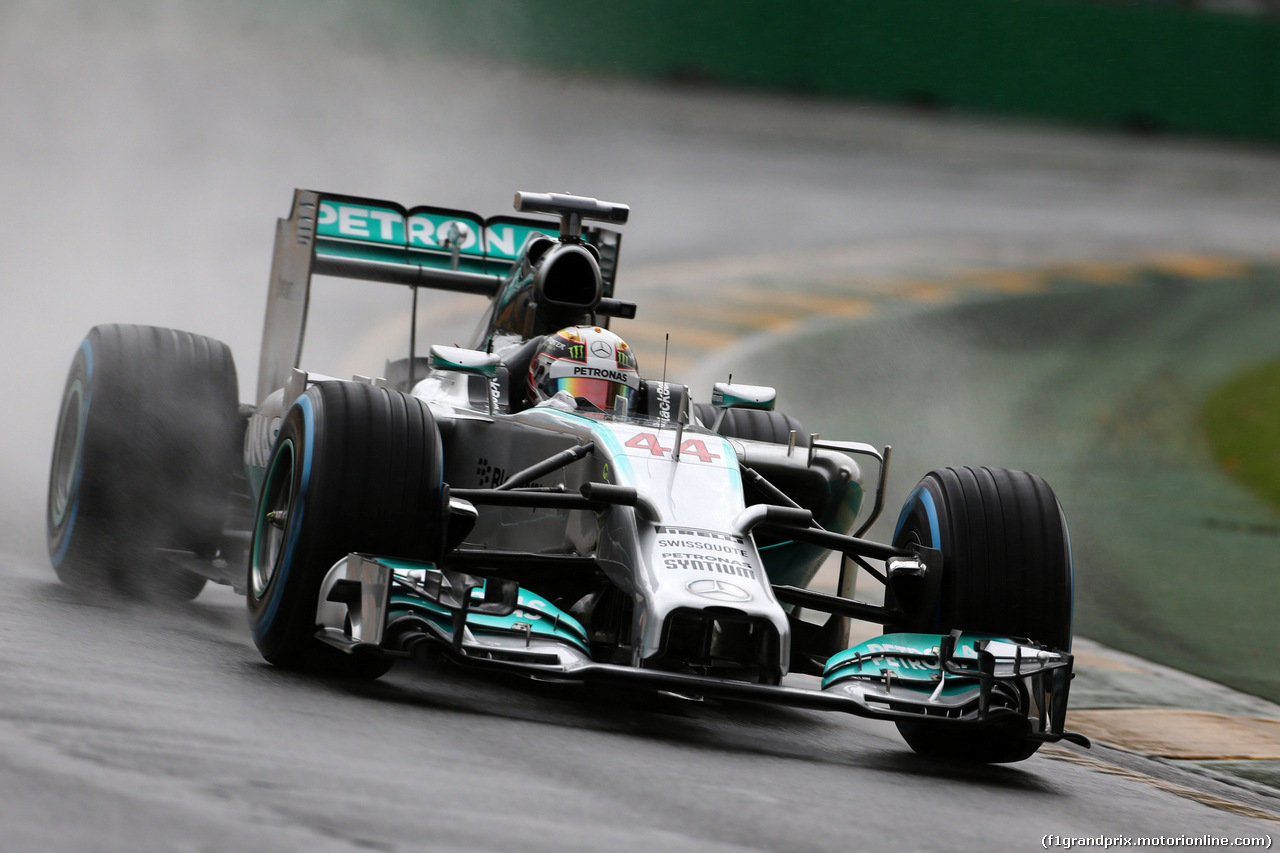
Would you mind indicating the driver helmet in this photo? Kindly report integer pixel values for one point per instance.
(588, 362)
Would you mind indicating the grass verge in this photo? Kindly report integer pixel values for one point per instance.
(1242, 421)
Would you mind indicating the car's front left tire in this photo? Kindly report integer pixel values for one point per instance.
(355, 469)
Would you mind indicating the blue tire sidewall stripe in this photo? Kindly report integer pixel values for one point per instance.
(922, 496)
(296, 511)
(85, 400)
(1071, 578)
(935, 536)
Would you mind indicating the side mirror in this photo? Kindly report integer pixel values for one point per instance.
(726, 396)
(463, 361)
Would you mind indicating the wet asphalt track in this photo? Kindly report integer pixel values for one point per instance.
(154, 148)
(137, 729)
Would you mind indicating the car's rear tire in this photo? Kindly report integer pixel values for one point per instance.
(355, 469)
(1007, 570)
(753, 424)
(144, 457)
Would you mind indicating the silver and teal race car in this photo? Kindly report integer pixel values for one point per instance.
(643, 541)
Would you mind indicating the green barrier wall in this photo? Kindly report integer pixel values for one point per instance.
(1132, 66)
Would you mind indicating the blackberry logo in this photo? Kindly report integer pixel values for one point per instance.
(664, 401)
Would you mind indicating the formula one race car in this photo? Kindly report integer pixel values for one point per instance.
(531, 504)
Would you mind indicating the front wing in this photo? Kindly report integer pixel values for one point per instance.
(376, 605)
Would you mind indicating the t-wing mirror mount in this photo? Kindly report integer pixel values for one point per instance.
(572, 209)
(725, 396)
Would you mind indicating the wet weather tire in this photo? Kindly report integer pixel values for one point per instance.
(754, 424)
(144, 458)
(1007, 570)
(355, 469)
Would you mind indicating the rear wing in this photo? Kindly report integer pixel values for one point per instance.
(375, 240)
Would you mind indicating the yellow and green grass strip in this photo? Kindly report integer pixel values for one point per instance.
(1242, 421)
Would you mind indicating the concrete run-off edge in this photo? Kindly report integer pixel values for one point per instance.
(1168, 727)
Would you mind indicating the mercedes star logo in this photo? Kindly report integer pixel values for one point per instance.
(718, 589)
(601, 349)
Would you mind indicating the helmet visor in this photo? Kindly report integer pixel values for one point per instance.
(601, 393)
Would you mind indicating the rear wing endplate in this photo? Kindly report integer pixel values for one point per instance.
(375, 240)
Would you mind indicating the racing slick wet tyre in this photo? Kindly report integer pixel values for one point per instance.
(1007, 570)
(144, 458)
(355, 469)
(754, 424)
